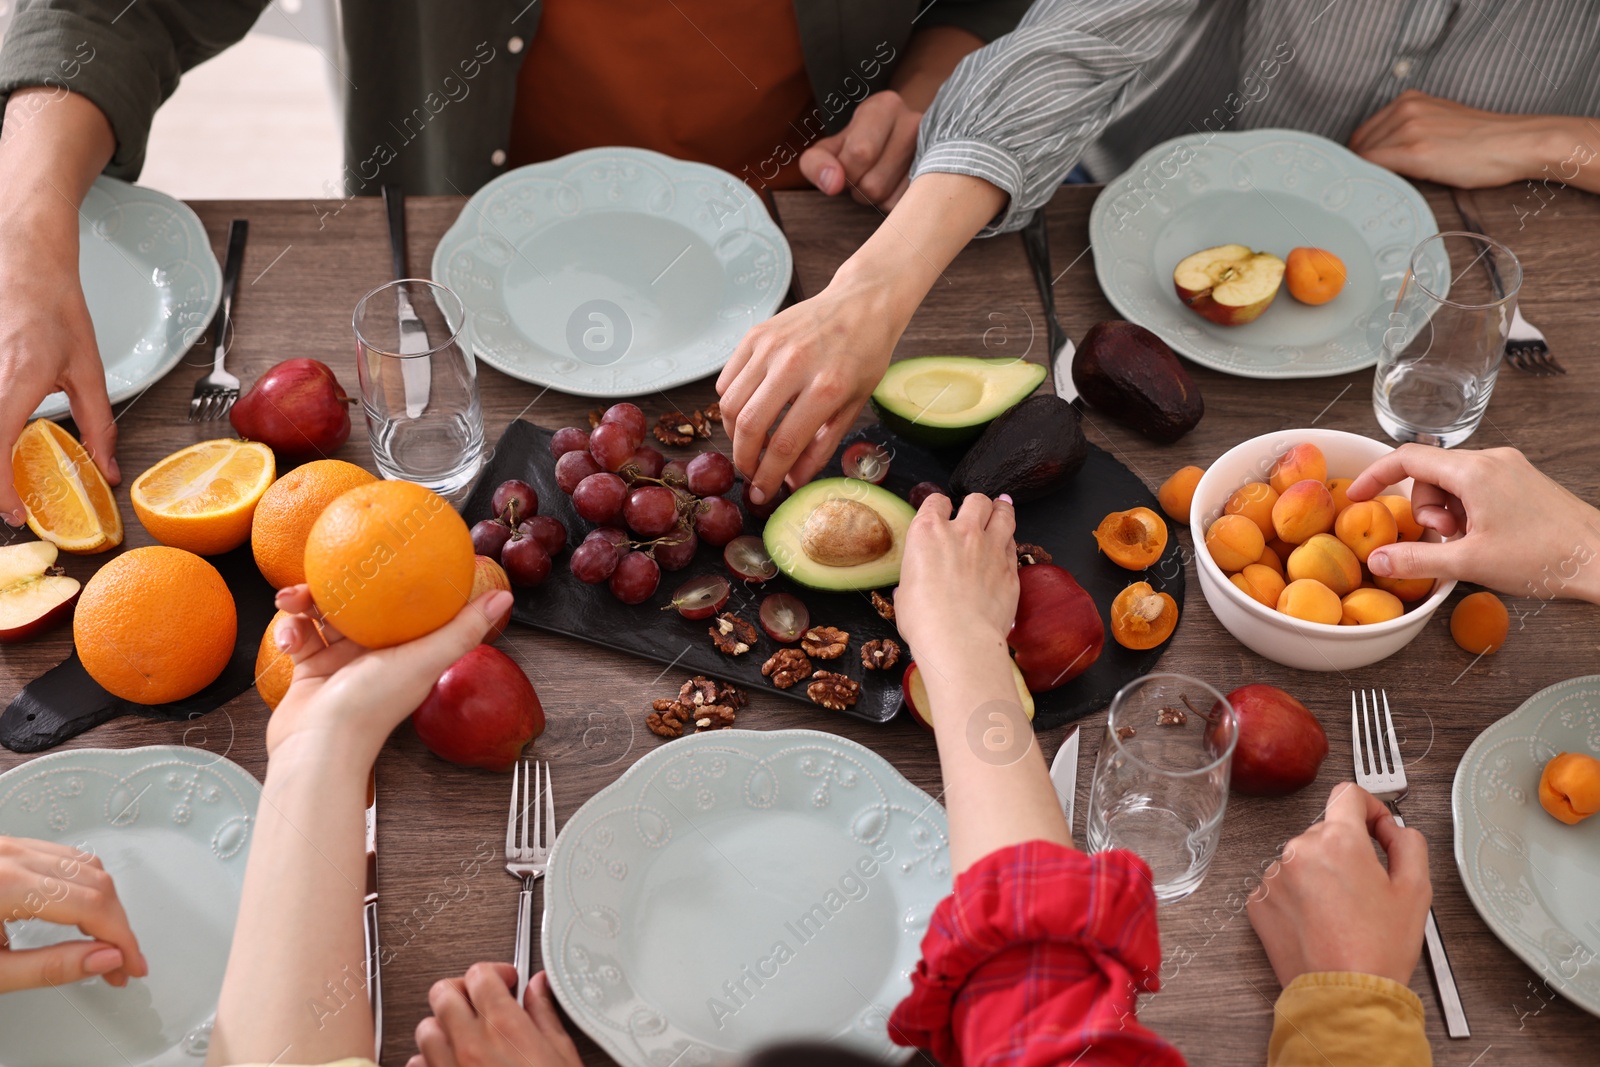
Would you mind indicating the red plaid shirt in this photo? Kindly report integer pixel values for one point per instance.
(1037, 958)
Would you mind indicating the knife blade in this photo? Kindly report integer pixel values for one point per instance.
(416, 373)
(369, 921)
(1036, 243)
(1064, 775)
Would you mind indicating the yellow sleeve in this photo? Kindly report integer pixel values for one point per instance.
(1341, 1018)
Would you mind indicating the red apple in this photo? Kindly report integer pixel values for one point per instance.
(1230, 284)
(34, 594)
(297, 408)
(1280, 745)
(916, 695)
(481, 712)
(1058, 633)
(488, 577)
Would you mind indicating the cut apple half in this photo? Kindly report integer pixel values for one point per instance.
(916, 695)
(34, 594)
(1229, 285)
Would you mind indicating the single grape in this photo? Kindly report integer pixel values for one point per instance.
(489, 537)
(635, 579)
(710, 474)
(593, 561)
(573, 468)
(568, 439)
(717, 520)
(647, 462)
(676, 473)
(747, 558)
(867, 461)
(675, 550)
(514, 500)
(922, 491)
(628, 416)
(784, 617)
(548, 531)
(701, 598)
(525, 560)
(651, 511)
(761, 511)
(599, 497)
(615, 536)
(612, 445)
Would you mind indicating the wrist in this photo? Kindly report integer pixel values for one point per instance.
(322, 749)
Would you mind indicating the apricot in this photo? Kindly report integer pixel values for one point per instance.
(1303, 509)
(1254, 501)
(1367, 605)
(1259, 582)
(1298, 464)
(1177, 493)
(1279, 547)
(1312, 601)
(1408, 590)
(1366, 525)
(1141, 617)
(1400, 507)
(1340, 490)
(1269, 558)
(1569, 787)
(1480, 623)
(1328, 560)
(1313, 275)
(1234, 542)
(1134, 539)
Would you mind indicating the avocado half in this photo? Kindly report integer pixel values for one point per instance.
(941, 401)
(839, 534)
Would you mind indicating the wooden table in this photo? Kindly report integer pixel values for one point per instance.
(306, 267)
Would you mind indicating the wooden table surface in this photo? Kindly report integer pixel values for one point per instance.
(305, 268)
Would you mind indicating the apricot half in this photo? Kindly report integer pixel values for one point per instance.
(1141, 617)
(1569, 787)
(1480, 623)
(1303, 509)
(1234, 542)
(1254, 501)
(1326, 559)
(1177, 493)
(1298, 464)
(1366, 525)
(1310, 600)
(1313, 275)
(1134, 539)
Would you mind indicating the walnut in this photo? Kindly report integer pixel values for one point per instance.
(1030, 554)
(732, 696)
(786, 667)
(674, 428)
(732, 635)
(880, 655)
(713, 413)
(1171, 716)
(701, 424)
(824, 642)
(595, 415)
(664, 726)
(883, 605)
(833, 691)
(714, 717)
(698, 690)
(1125, 732)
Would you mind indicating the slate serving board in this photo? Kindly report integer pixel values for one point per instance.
(1063, 524)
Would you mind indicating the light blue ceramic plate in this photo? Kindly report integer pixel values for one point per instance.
(613, 271)
(150, 280)
(172, 826)
(1272, 190)
(736, 888)
(1532, 878)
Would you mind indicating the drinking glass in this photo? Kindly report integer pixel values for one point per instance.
(419, 385)
(1445, 338)
(1161, 778)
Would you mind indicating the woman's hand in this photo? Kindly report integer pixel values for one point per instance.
(61, 884)
(477, 1020)
(1329, 905)
(958, 582)
(871, 156)
(1484, 500)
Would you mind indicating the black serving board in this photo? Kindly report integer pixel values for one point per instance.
(1063, 524)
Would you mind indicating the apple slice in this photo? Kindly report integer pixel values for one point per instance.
(34, 594)
(916, 695)
(1229, 285)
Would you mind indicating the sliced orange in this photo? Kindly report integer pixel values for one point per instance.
(202, 498)
(69, 503)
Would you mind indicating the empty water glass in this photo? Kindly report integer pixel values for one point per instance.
(1161, 778)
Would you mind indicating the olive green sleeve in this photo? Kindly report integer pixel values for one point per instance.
(984, 19)
(1343, 1019)
(123, 56)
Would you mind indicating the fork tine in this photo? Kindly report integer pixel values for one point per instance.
(511, 819)
(1373, 766)
(1380, 747)
(548, 840)
(1394, 742)
(526, 774)
(227, 403)
(1355, 735)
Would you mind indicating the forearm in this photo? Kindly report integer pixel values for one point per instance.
(930, 57)
(52, 145)
(1572, 152)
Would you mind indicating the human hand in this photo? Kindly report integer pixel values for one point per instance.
(958, 581)
(1329, 905)
(1427, 137)
(476, 1020)
(359, 695)
(871, 156)
(61, 884)
(1484, 499)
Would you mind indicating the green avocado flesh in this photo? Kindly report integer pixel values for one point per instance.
(939, 401)
(840, 534)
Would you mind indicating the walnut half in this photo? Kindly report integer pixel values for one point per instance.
(833, 691)
(880, 655)
(786, 667)
(883, 605)
(732, 635)
(714, 717)
(824, 642)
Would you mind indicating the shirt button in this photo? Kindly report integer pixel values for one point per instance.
(1401, 68)
(514, 45)
(498, 158)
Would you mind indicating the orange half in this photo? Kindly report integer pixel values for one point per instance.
(69, 503)
(202, 498)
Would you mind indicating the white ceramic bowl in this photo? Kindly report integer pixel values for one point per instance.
(1309, 646)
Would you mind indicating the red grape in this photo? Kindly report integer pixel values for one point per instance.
(701, 598)
(489, 537)
(675, 472)
(867, 461)
(573, 468)
(599, 497)
(549, 532)
(784, 617)
(647, 462)
(615, 536)
(922, 491)
(710, 474)
(568, 439)
(628, 416)
(612, 445)
(761, 511)
(717, 520)
(676, 550)
(525, 560)
(651, 511)
(514, 500)
(593, 561)
(635, 579)
(747, 558)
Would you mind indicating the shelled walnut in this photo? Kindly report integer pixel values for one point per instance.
(833, 691)
(786, 667)
(595, 415)
(883, 605)
(880, 655)
(713, 413)
(732, 635)
(1029, 554)
(674, 428)
(824, 642)
(698, 690)
(669, 718)
(714, 717)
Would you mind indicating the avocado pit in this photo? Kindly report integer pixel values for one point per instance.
(845, 533)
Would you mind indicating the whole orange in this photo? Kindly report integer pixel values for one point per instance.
(155, 625)
(287, 511)
(274, 667)
(389, 562)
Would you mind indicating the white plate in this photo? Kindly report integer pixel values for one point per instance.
(172, 826)
(1531, 877)
(1272, 190)
(736, 888)
(613, 271)
(150, 280)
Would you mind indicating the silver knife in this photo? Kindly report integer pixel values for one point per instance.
(1064, 776)
(369, 921)
(416, 374)
(1036, 242)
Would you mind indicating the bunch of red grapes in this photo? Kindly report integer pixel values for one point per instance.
(518, 536)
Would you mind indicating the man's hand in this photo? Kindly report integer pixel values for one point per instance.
(871, 156)
(1329, 905)
(59, 884)
(477, 1020)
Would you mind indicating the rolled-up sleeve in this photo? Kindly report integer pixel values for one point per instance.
(1019, 111)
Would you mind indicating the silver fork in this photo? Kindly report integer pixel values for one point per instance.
(1526, 349)
(215, 393)
(1381, 772)
(525, 861)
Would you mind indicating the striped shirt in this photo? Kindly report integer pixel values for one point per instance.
(1102, 81)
